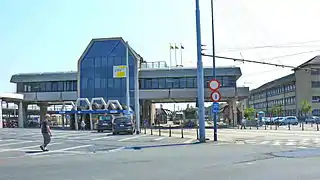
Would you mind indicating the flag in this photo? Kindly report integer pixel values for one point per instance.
(171, 47)
(182, 47)
(176, 47)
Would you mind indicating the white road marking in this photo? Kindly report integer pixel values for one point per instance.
(60, 150)
(22, 142)
(189, 141)
(25, 148)
(291, 143)
(250, 141)
(129, 138)
(159, 139)
(276, 143)
(6, 140)
(104, 137)
(265, 142)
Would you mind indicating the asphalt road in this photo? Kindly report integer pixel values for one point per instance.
(225, 161)
(26, 142)
(200, 161)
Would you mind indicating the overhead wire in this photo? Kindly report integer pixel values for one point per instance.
(265, 63)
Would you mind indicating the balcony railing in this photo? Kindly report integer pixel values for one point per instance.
(154, 65)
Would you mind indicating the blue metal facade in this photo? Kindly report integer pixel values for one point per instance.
(96, 71)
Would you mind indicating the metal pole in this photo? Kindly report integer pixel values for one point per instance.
(175, 54)
(136, 97)
(215, 129)
(200, 90)
(170, 48)
(127, 78)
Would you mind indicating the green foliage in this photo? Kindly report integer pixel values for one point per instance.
(277, 110)
(249, 113)
(305, 107)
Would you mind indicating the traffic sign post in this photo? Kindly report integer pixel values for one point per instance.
(215, 97)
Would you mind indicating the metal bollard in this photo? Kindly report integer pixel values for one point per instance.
(181, 131)
(151, 127)
(159, 131)
(169, 130)
(145, 130)
(250, 126)
(302, 126)
(265, 126)
(276, 127)
(317, 126)
(289, 126)
(197, 129)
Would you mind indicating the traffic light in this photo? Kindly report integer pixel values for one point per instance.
(203, 49)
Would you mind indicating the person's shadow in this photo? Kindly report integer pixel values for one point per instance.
(34, 151)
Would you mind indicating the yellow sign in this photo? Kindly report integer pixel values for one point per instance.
(119, 71)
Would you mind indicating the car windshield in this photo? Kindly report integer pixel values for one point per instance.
(122, 120)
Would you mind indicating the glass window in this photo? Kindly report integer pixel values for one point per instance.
(110, 83)
(19, 87)
(176, 83)
(191, 83)
(54, 86)
(148, 84)
(141, 83)
(117, 83)
(155, 83)
(103, 83)
(162, 83)
(169, 82)
(183, 82)
(60, 86)
(97, 82)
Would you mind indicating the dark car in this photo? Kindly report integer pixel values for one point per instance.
(105, 123)
(123, 125)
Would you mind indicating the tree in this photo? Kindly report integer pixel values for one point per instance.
(305, 107)
(277, 110)
(249, 113)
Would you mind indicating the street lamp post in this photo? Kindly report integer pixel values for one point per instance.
(215, 133)
(200, 90)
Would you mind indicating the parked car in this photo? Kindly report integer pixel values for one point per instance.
(312, 119)
(104, 123)
(123, 124)
(292, 120)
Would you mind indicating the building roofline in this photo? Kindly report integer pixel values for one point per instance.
(307, 63)
(274, 82)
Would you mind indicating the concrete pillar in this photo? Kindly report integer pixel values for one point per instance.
(145, 112)
(152, 112)
(43, 111)
(1, 121)
(235, 112)
(22, 112)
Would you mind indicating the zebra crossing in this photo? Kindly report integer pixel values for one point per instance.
(26, 142)
(306, 142)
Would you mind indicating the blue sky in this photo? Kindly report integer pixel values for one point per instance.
(47, 35)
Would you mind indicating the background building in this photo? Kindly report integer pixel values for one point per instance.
(289, 91)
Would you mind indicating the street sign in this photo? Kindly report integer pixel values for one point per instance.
(214, 84)
(119, 71)
(215, 107)
(215, 96)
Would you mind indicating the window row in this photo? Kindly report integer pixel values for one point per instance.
(315, 84)
(287, 112)
(270, 104)
(53, 86)
(273, 92)
(159, 64)
(185, 82)
(316, 99)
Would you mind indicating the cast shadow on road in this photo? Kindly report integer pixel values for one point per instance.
(34, 151)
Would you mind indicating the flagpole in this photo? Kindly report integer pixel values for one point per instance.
(181, 54)
(175, 54)
(170, 49)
